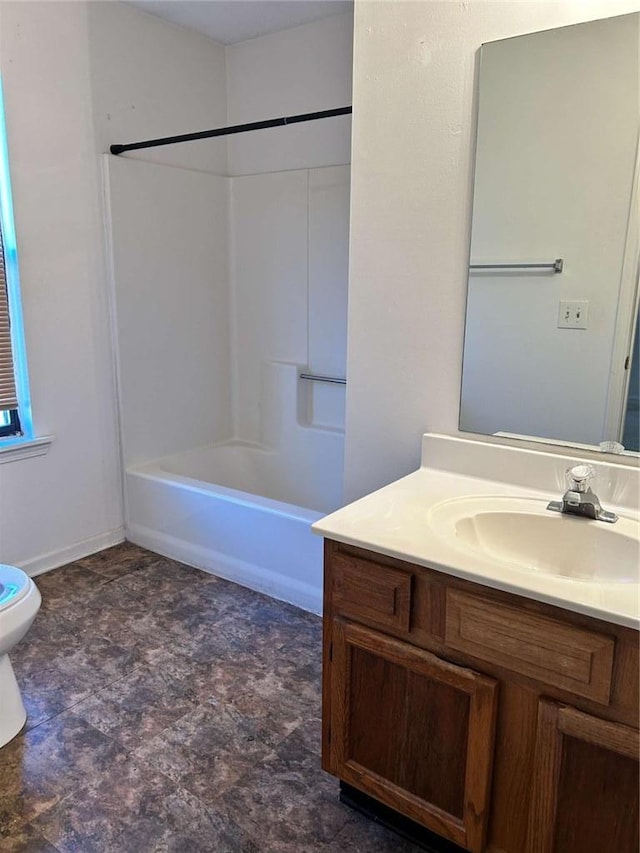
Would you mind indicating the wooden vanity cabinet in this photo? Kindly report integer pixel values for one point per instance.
(499, 723)
(585, 784)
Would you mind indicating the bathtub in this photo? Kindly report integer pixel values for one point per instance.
(240, 511)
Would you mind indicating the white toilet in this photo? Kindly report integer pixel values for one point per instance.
(19, 602)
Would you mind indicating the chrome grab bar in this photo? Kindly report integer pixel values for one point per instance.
(312, 377)
(556, 266)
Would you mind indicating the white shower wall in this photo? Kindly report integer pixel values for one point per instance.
(169, 231)
(225, 289)
(217, 280)
(289, 235)
(329, 194)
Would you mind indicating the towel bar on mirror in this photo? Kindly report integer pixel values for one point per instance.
(312, 377)
(556, 266)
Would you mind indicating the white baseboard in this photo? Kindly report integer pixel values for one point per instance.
(284, 588)
(54, 559)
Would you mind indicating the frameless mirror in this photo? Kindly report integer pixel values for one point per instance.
(553, 274)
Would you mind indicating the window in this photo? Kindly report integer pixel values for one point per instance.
(15, 410)
(10, 424)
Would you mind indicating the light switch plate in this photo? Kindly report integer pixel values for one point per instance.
(573, 314)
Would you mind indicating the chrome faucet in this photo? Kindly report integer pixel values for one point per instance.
(579, 499)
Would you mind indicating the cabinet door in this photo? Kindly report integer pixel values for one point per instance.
(585, 784)
(413, 731)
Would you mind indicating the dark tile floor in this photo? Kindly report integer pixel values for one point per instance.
(169, 710)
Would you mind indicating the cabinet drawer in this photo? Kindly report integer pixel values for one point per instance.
(549, 651)
(371, 593)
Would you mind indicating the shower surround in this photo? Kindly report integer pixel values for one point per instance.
(225, 290)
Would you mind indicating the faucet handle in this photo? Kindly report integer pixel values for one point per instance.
(580, 476)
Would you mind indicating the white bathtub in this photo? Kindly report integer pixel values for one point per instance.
(237, 511)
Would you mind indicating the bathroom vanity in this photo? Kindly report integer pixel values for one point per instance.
(481, 651)
(495, 704)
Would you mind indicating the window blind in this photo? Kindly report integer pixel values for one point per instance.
(8, 397)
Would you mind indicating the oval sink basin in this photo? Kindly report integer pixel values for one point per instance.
(524, 534)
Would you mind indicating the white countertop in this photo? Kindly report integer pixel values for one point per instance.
(394, 521)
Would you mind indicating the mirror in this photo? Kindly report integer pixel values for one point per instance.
(553, 273)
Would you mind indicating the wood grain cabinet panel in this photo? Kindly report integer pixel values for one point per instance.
(371, 593)
(585, 784)
(550, 651)
(413, 731)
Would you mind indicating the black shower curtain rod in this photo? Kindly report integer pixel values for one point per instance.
(226, 131)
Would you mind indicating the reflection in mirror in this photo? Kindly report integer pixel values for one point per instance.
(548, 349)
(631, 429)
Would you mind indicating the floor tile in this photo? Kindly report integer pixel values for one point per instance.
(134, 809)
(113, 614)
(288, 784)
(135, 708)
(164, 578)
(26, 840)
(209, 750)
(67, 583)
(118, 561)
(42, 766)
(68, 671)
(360, 834)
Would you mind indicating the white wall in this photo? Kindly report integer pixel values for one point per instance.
(415, 67)
(67, 503)
(301, 70)
(152, 79)
(557, 136)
